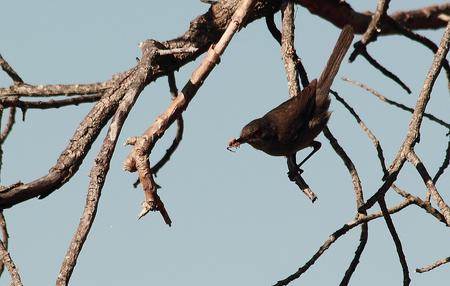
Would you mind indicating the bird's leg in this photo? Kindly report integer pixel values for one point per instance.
(316, 146)
(294, 170)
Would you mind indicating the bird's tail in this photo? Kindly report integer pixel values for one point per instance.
(335, 60)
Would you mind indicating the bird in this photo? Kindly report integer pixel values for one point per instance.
(294, 124)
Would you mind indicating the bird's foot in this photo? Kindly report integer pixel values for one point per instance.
(293, 173)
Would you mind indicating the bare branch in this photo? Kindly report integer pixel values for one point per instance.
(24, 105)
(414, 159)
(9, 124)
(58, 89)
(396, 104)
(425, 205)
(72, 157)
(359, 197)
(287, 47)
(340, 13)
(396, 238)
(422, 40)
(444, 164)
(5, 238)
(384, 71)
(416, 120)
(294, 175)
(102, 162)
(371, 33)
(9, 263)
(336, 235)
(180, 128)
(10, 71)
(138, 159)
(364, 127)
(434, 265)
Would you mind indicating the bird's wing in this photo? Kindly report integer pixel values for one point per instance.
(290, 117)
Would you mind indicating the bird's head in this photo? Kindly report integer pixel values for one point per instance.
(258, 133)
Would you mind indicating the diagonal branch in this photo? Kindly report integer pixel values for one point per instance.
(394, 103)
(138, 160)
(397, 241)
(4, 239)
(336, 235)
(384, 70)
(434, 265)
(10, 71)
(9, 263)
(100, 170)
(359, 197)
(371, 33)
(415, 160)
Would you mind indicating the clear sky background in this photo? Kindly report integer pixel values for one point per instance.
(237, 219)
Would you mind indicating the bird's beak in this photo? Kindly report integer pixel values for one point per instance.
(235, 143)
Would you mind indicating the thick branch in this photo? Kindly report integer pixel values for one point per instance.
(340, 13)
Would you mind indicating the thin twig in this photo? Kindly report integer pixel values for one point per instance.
(384, 70)
(276, 34)
(364, 127)
(270, 22)
(444, 165)
(10, 71)
(433, 266)
(359, 198)
(397, 241)
(178, 136)
(9, 125)
(372, 30)
(24, 105)
(394, 103)
(420, 39)
(415, 160)
(425, 205)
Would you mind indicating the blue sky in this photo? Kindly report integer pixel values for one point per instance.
(237, 219)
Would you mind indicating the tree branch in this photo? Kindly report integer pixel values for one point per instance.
(416, 120)
(394, 103)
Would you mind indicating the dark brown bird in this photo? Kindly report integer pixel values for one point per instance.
(295, 123)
